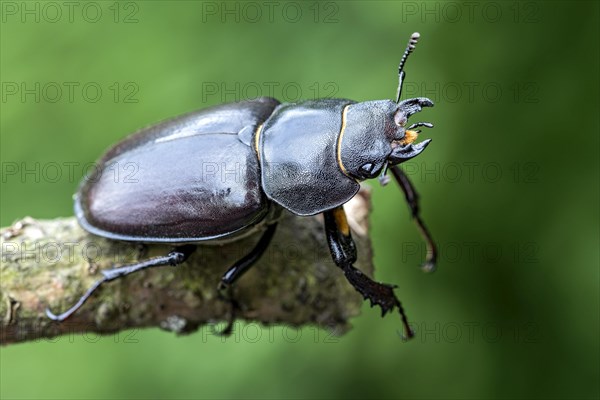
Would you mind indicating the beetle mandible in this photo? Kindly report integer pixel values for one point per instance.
(306, 157)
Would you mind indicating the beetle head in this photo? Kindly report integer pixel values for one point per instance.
(376, 133)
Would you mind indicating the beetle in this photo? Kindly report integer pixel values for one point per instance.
(307, 157)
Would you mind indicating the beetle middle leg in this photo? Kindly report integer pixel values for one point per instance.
(225, 288)
(412, 198)
(343, 251)
(174, 258)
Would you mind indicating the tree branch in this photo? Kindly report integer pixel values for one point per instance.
(50, 263)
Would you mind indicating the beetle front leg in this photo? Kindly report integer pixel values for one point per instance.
(412, 198)
(343, 251)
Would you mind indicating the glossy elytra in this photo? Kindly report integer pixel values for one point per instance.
(228, 171)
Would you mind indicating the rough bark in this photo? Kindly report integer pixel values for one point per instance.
(50, 263)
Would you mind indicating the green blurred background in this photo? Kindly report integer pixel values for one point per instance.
(509, 187)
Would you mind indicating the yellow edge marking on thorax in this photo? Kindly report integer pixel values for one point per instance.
(339, 142)
(341, 221)
(256, 138)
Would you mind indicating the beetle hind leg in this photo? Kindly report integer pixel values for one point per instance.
(174, 258)
(343, 251)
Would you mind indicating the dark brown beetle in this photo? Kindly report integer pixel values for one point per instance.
(229, 170)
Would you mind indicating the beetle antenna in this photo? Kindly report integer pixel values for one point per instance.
(401, 74)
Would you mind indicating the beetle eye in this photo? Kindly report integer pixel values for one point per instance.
(367, 168)
(400, 119)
